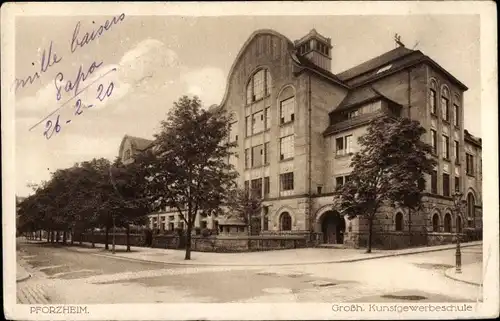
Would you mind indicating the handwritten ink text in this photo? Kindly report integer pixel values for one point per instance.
(87, 38)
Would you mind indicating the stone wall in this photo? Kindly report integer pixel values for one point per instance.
(120, 239)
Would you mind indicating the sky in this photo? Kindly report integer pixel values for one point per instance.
(157, 59)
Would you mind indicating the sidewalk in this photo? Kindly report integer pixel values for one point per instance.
(21, 273)
(471, 274)
(305, 256)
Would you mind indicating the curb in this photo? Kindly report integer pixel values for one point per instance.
(449, 276)
(23, 278)
(379, 256)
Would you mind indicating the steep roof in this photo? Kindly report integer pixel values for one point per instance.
(373, 63)
(361, 96)
(307, 64)
(140, 143)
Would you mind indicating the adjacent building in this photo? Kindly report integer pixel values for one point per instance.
(296, 126)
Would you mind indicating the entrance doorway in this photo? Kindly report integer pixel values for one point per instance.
(333, 228)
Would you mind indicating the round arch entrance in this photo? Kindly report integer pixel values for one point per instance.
(332, 227)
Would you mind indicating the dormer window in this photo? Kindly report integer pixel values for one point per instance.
(353, 114)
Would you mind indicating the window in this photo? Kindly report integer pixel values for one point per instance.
(399, 221)
(347, 178)
(470, 208)
(457, 184)
(343, 145)
(339, 181)
(287, 109)
(163, 226)
(469, 164)
(286, 147)
(432, 98)
(181, 225)
(266, 153)
(446, 184)
(257, 122)
(247, 158)
(319, 189)
(353, 114)
(171, 226)
(256, 185)
(127, 154)
(435, 222)
(286, 181)
(434, 141)
(444, 108)
(247, 187)
(447, 223)
(248, 126)
(285, 222)
(203, 224)
(259, 86)
(267, 118)
(267, 186)
(265, 226)
(456, 112)
(457, 151)
(257, 156)
(233, 132)
(446, 147)
(434, 182)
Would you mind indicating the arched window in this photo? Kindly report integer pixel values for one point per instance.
(445, 104)
(259, 86)
(399, 222)
(285, 222)
(459, 224)
(447, 223)
(470, 207)
(433, 96)
(435, 222)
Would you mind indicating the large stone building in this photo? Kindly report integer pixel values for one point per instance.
(296, 126)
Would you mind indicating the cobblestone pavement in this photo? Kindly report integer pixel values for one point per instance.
(62, 276)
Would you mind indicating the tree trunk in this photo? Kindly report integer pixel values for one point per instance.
(92, 237)
(409, 226)
(188, 241)
(128, 237)
(370, 232)
(64, 238)
(52, 236)
(40, 235)
(72, 235)
(106, 242)
(48, 236)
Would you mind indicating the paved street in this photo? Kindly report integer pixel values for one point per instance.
(76, 275)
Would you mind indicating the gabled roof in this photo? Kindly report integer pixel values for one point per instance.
(361, 96)
(376, 62)
(140, 143)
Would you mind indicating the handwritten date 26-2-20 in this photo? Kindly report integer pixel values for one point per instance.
(52, 127)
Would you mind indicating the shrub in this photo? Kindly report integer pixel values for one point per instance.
(206, 232)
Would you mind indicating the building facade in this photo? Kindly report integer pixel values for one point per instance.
(296, 126)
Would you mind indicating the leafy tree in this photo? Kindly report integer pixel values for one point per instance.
(190, 171)
(244, 206)
(389, 168)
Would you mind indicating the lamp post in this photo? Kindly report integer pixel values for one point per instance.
(458, 203)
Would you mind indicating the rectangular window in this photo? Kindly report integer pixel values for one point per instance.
(256, 186)
(457, 184)
(343, 145)
(181, 225)
(445, 108)
(248, 126)
(339, 181)
(268, 82)
(319, 189)
(267, 155)
(434, 141)
(286, 181)
(286, 147)
(257, 155)
(456, 112)
(456, 147)
(171, 226)
(432, 99)
(247, 186)
(347, 178)
(258, 85)
(469, 164)
(248, 159)
(434, 182)
(267, 117)
(287, 109)
(446, 184)
(353, 114)
(267, 186)
(446, 147)
(258, 122)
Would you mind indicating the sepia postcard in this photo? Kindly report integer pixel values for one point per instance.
(250, 160)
